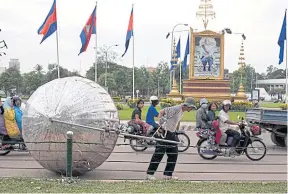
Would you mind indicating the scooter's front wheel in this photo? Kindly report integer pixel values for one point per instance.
(255, 147)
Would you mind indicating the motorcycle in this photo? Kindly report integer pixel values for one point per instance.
(247, 140)
(140, 145)
(11, 144)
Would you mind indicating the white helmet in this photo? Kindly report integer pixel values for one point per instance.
(154, 98)
(227, 102)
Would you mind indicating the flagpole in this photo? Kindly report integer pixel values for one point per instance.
(133, 68)
(96, 46)
(57, 44)
(180, 83)
(286, 93)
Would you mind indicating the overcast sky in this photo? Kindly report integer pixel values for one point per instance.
(260, 20)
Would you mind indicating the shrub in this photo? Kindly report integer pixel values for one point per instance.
(132, 103)
(116, 98)
(283, 106)
(119, 106)
(241, 106)
(169, 102)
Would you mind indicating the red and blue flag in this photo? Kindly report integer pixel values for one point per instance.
(88, 30)
(129, 32)
(49, 26)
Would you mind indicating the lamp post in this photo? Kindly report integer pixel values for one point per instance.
(107, 63)
(179, 24)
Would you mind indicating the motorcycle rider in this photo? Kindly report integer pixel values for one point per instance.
(224, 125)
(152, 113)
(171, 116)
(203, 123)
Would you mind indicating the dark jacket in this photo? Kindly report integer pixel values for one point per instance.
(211, 115)
(136, 111)
(202, 119)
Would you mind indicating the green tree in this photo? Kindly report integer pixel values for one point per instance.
(11, 79)
(53, 73)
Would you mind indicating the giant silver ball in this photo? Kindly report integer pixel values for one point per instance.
(74, 100)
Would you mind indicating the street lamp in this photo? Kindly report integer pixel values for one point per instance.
(107, 63)
(179, 24)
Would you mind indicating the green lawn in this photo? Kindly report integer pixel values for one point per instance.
(270, 104)
(27, 185)
(126, 113)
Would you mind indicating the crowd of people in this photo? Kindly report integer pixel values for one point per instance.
(169, 121)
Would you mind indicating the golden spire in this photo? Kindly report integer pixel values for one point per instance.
(174, 54)
(242, 65)
(241, 62)
(174, 60)
(205, 12)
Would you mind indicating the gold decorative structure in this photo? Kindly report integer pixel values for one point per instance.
(174, 93)
(240, 95)
(205, 12)
(209, 84)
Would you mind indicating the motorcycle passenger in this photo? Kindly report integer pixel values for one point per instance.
(136, 116)
(171, 116)
(18, 112)
(2, 122)
(224, 122)
(212, 111)
(203, 123)
(202, 119)
(152, 113)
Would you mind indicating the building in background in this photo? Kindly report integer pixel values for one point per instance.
(14, 63)
(151, 69)
(2, 70)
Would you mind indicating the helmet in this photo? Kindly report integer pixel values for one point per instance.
(154, 98)
(227, 102)
(203, 101)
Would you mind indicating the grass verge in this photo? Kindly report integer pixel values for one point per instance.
(27, 185)
(126, 113)
(270, 105)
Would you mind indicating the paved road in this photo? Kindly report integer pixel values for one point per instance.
(268, 168)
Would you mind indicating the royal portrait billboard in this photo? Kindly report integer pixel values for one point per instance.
(206, 55)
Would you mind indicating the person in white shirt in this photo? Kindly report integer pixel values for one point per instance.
(224, 125)
(171, 116)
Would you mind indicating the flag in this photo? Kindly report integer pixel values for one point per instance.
(49, 26)
(129, 32)
(87, 31)
(186, 54)
(178, 49)
(282, 38)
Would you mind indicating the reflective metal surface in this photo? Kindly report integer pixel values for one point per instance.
(76, 100)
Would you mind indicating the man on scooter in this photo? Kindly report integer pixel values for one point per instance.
(152, 113)
(224, 125)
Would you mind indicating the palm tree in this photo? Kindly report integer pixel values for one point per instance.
(38, 68)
